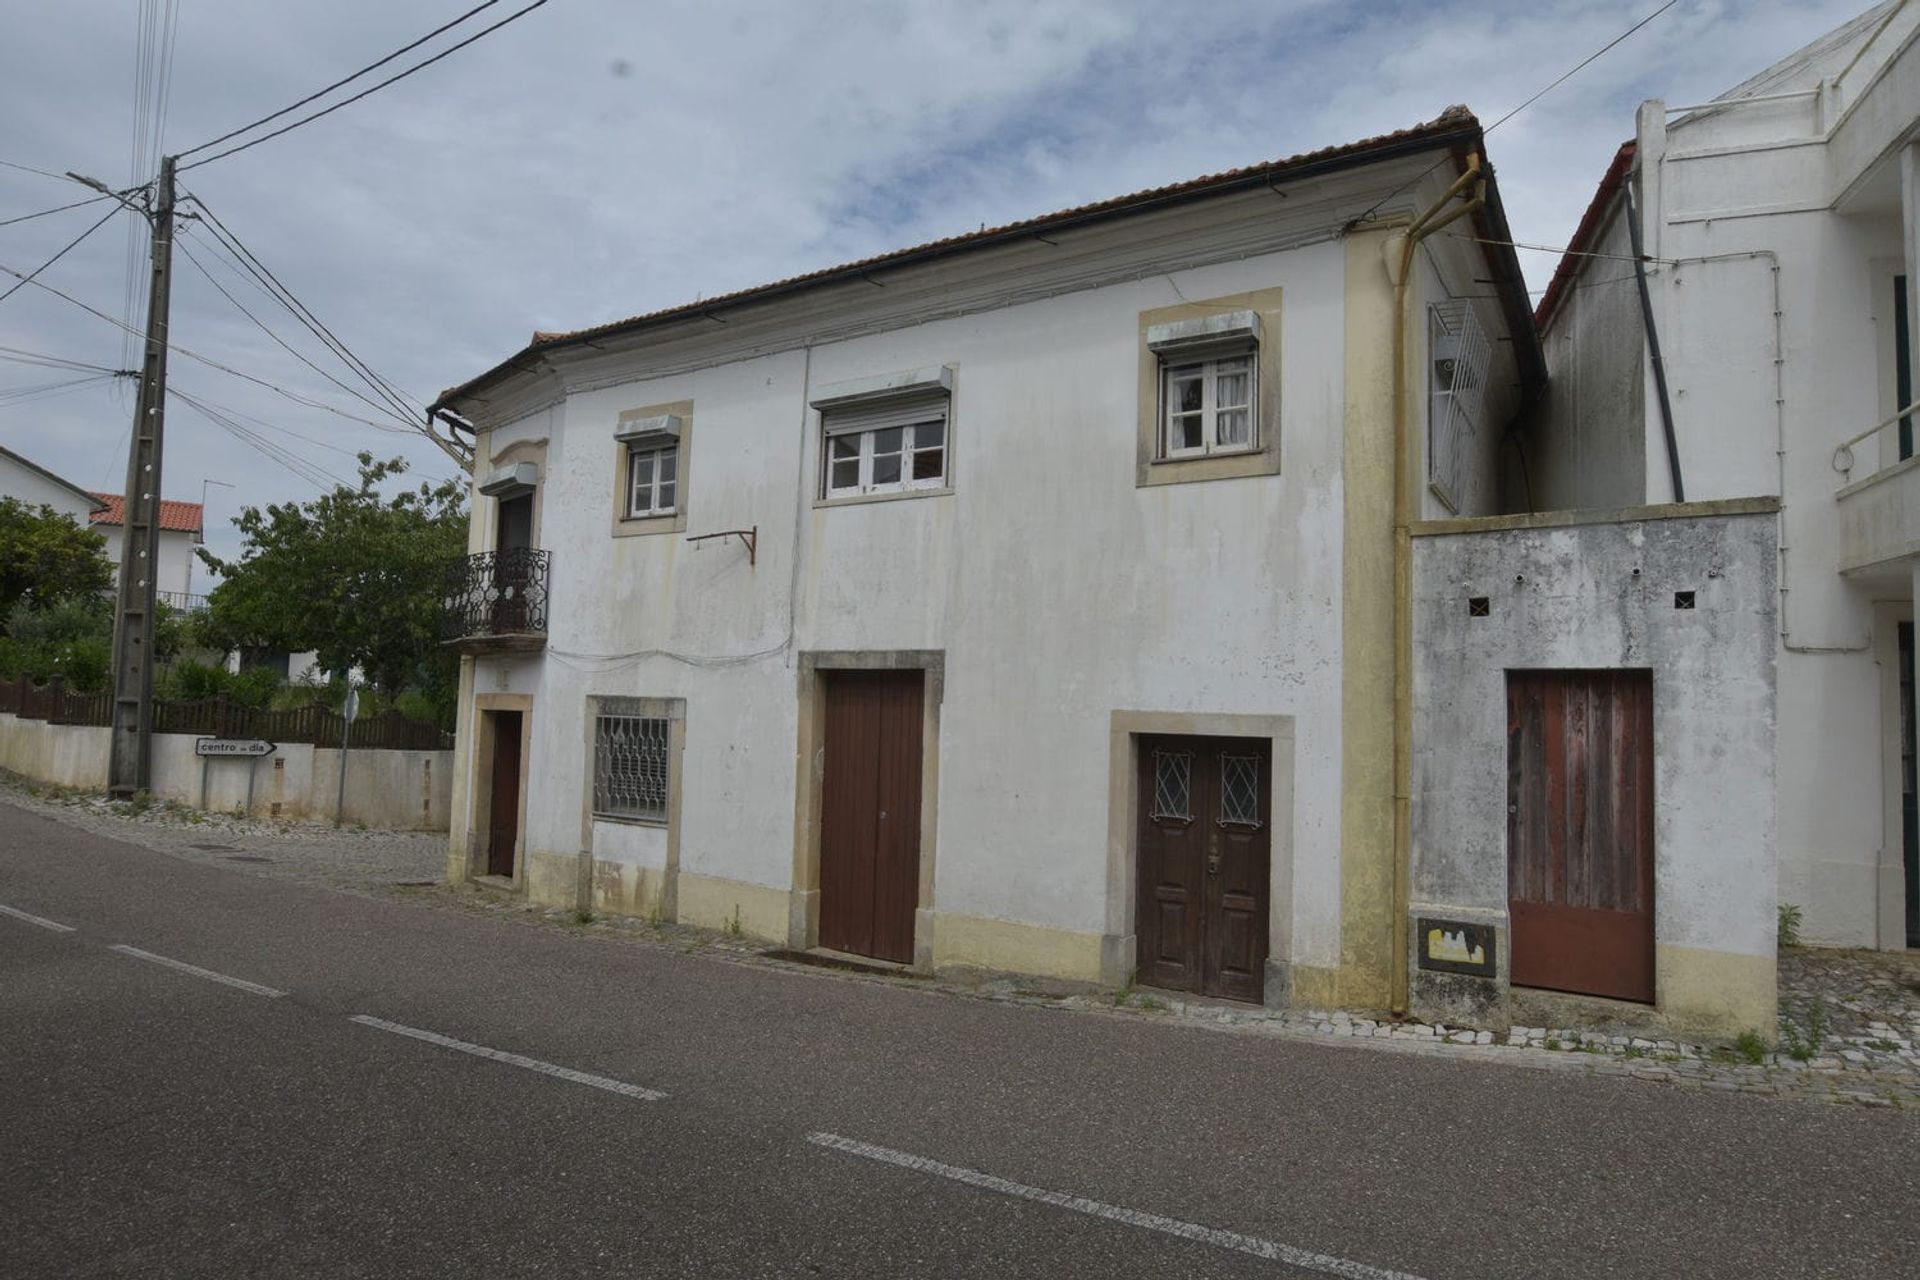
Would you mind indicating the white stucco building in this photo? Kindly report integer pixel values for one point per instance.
(1781, 228)
(181, 533)
(33, 484)
(1093, 597)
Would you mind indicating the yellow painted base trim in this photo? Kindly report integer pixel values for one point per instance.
(709, 902)
(552, 879)
(623, 889)
(1717, 993)
(984, 943)
(1313, 988)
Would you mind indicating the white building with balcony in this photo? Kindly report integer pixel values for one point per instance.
(1778, 228)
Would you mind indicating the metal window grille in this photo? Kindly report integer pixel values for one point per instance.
(1240, 790)
(1457, 385)
(1172, 784)
(630, 766)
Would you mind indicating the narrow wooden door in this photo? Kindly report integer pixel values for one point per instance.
(870, 812)
(1204, 858)
(1580, 831)
(503, 820)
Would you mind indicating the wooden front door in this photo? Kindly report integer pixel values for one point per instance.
(503, 807)
(870, 812)
(1580, 831)
(1204, 848)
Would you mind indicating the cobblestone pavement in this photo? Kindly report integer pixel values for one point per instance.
(1849, 1020)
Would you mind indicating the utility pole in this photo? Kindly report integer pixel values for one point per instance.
(130, 767)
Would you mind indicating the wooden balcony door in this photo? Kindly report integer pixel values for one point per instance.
(1204, 859)
(870, 812)
(1580, 831)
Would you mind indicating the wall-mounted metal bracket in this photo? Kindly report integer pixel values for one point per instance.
(749, 538)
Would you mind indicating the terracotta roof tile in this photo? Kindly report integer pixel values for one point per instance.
(175, 517)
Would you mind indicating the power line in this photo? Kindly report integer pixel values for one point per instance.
(271, 285)
(372, 66)
(19, 356)
(1583, 64)
(28, 279)
(27, 168)
(22, 395)
(419, 66)
(77, 204)
(311, 472)
(260, 324)
(194, 355)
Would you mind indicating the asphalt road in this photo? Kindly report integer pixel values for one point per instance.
(155, 1121)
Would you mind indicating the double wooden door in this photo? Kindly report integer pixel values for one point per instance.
(1580, 831)
(1204, 854)
(870, 812)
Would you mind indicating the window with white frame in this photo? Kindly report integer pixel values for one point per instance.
(885, 435)
(1209, 385)
(631, 755)
(652, 480)
(652, 445)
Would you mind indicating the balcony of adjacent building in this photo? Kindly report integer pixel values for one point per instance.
(1879, 496)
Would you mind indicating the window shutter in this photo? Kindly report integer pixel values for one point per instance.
(900, 411)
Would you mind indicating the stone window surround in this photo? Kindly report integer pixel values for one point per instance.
(625, 526)
(674, 712)
(1150, 467)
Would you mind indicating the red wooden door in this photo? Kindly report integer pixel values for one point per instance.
(1580, 831)
(503, 819)
(1204, 855)
(870, 812)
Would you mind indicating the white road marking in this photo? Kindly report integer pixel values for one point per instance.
(196, 970)
(1271, 1250)
(54, 925)
(514, 1059)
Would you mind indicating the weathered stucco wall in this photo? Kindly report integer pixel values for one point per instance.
(1599, 593)
(396, 790)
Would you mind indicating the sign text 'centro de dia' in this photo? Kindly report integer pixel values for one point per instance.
(232, 747)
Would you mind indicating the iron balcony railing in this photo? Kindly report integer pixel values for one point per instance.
(496, 593)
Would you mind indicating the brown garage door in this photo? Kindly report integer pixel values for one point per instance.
(1580, 831)
(870, 813)
(1204, 855)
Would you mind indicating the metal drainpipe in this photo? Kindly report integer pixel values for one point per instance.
(1471, 189)
(1653, 343)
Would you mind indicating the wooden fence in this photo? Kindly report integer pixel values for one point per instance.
(218, 717)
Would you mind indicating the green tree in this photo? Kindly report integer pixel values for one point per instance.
(46, 555)
(353, 575)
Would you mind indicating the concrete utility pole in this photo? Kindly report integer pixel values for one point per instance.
(130, 767)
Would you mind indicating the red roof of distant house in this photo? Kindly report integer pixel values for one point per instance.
(175, 517)
(1583, 236)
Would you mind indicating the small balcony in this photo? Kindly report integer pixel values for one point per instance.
(496, 602)
(1879, 497)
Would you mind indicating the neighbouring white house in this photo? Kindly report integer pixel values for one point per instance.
(181, 533)
(1141, 591)
(1777, 231)
(36, 486)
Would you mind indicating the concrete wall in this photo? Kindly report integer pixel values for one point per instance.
(395, 790)
(1779, 229)
(1055, 588)
(1585, 592)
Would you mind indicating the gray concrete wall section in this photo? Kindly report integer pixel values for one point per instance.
(394, 790)
(1580, 590)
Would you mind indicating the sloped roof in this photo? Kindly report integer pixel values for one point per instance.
(1583, 235)
(1456, 125)
(175, 517)
(45, 474)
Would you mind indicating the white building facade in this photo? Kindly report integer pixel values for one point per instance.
(1780, 225)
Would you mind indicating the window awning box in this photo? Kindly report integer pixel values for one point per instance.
(885, 400)
(511, 481)
(661, 427)
(1222, 333)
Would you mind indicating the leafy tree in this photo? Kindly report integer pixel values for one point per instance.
(72, 637)
(46, 555)
(352, 575)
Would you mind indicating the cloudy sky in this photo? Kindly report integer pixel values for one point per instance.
(599, 158)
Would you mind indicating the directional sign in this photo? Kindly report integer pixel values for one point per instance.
(241, 747)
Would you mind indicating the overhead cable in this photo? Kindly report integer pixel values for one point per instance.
(28, 278)
(347, 102)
